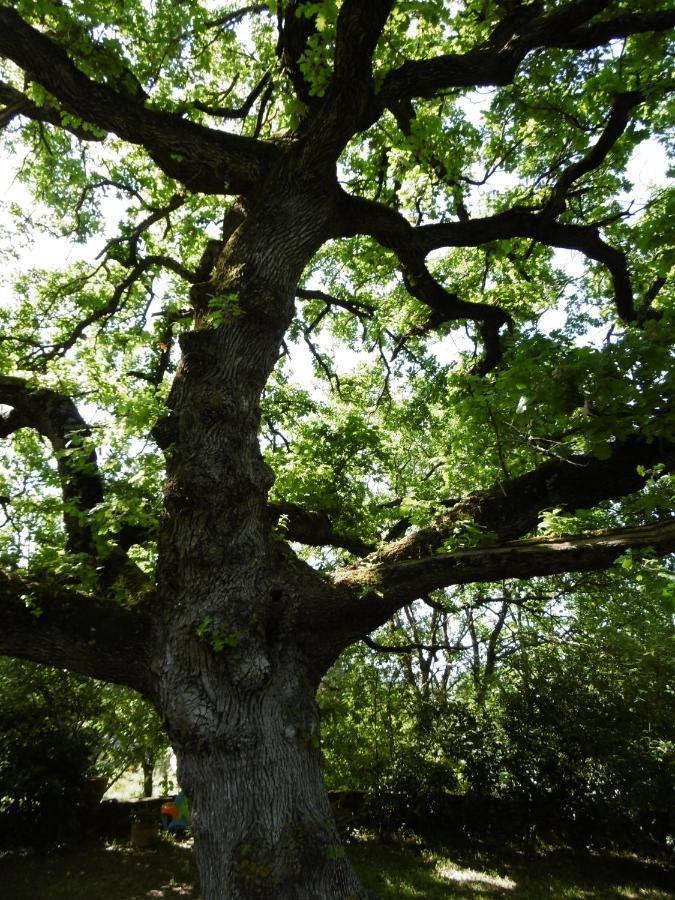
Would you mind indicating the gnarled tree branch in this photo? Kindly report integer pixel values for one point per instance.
(392, 230)
(55, 416)
(203, 159)
(496, 62)
(314, 528)
(370, 591)
(510, 509)
(397, 583)
(55, 625)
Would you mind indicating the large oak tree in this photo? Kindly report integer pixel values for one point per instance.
(315, 172)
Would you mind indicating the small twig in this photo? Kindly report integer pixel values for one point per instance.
(353, 306)
(409, 648)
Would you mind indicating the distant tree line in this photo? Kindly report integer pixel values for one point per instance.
(537, 712)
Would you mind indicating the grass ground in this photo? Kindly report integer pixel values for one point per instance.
(391, 872)
(462, 871)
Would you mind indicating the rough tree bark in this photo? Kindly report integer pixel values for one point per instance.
(250, 762)
(234, 687)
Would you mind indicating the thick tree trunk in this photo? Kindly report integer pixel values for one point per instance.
(233, 682)
(263, 826)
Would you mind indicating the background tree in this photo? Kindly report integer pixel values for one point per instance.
(543, 710)
(319, 152)
(61, 735)
(131, 736)
(47, 750)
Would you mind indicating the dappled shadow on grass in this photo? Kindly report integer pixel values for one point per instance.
(401, 870)
(451, 869)
(113, 872)
(394, 871)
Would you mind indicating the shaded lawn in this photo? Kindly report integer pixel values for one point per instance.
(390, 872)
(462, 871)
(101, 872)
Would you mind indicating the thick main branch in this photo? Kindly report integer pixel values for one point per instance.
(496, 62)
(201, 158)
(398, 583)
(57, 626)
(369, 591)
(511, 509)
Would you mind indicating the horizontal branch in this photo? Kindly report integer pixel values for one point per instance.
(385, 587)
(523, 223)
(511, 508)
(203, 159)
(57, 626)
(392, 230)
(370, 591)
(353, 306)
(599, 33)
(496, 62)
(412, 647)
